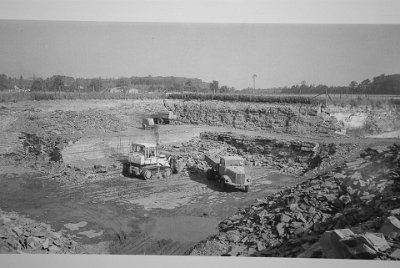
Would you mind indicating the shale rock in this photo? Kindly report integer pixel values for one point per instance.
(22, 235)
(351, 212)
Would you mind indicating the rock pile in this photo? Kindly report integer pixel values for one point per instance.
(255, 116)
(69, 175)
(291, 156)
(22, 235)
(68, 123)
(306, 220)
(190, 155)
(295, 156)
(44, 134)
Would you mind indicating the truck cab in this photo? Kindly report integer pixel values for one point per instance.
(148, 123)
(164, 117)
(229, 171)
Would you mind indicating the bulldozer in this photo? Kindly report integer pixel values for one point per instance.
(147, 162)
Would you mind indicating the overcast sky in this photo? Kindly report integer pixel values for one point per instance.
(280, 54)
(230, 53)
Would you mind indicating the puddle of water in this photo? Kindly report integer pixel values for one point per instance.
(75, 226)
(91, 233)
(181, 228)
(274, 178)
(386, 135)
(265, 182)
(44, 201)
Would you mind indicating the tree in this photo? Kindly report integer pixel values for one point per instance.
(96, 84)
(214, 86)
(224, 89)
(365, 85)
(21, 82)
(123, 82)
(352, 86)
(58, 83)
(188, 86)
(303, 87)
(4, 82)
(37, 85)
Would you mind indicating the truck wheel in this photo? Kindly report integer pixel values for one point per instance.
(146, 174)
(167, 172)
(125, 169)
(246, 188)
(210, 174)
(222, 184)
(173, 165)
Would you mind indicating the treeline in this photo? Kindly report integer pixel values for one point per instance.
(245, 98)
(70, 84)
(26, 96)
(382, 84)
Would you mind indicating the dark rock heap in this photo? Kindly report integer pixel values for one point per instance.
(350, 213)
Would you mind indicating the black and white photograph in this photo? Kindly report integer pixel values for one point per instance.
(201, 130)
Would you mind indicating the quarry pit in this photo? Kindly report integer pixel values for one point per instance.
(50, 182)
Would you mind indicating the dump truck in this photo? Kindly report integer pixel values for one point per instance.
(158, 119)
(147, 162)
(148, 123)
(164, 117)
(228, 171)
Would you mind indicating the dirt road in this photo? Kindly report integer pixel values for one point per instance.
(131, 215)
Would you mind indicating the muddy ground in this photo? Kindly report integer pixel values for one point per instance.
(49, 150)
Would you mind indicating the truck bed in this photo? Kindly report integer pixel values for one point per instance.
(165, 115)
(212, 161)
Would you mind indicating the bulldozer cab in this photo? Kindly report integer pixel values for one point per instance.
(143, 153)
(147, 150)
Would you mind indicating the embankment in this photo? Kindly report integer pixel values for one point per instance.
(288, 118)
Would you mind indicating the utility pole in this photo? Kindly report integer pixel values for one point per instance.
(326, 98)
(254, 81)
(79, 88)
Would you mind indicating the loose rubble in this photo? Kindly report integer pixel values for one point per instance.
(22, 235)
(287, 156)
(69, 175)
(255, 116)
(350, 213)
